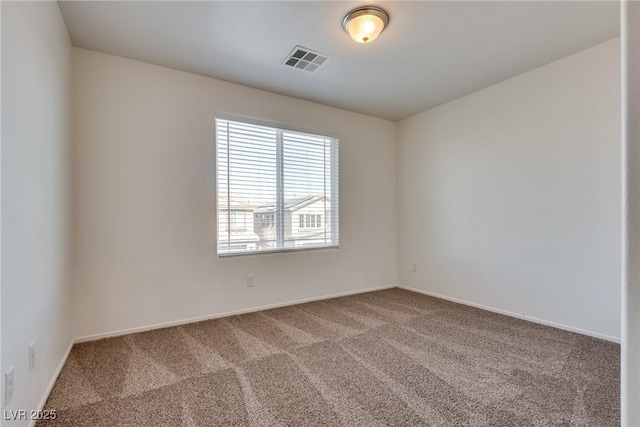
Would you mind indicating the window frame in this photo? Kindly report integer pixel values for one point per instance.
(334, 193)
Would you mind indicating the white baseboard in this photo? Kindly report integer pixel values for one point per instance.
(47, 392)
(517, 315)
(224, 314)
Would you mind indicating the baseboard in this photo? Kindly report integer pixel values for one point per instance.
(337, 295)
(224, 314)
(45, 396)
(517, 315)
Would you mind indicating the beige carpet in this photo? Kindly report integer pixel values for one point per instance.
(390, 357)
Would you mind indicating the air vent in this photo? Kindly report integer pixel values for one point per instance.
(304, 59)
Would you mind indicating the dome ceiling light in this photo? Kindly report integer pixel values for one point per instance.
(364, 24)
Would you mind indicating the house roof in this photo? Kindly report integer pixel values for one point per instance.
(235, 204)
(292, 204)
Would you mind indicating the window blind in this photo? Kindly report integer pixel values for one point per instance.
(277, 188)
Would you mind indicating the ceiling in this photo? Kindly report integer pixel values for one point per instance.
(431, 52)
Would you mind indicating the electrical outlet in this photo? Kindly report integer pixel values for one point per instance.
(8, 386)
(414, 267)
(32, 356)
(251, 281)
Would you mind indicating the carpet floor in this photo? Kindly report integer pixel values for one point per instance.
(390, 357)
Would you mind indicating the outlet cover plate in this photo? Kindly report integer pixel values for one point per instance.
(8, 386)
(32, 356)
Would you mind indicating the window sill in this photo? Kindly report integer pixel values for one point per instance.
(278, 251)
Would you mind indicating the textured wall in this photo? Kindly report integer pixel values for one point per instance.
(510, 197)
(36, 300)
(144, 199)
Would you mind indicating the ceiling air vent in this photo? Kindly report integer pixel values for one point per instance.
(304, 59)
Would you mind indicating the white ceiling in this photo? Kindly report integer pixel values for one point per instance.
(431, 52)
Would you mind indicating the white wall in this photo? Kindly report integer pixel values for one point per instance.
(510, 197)
(36, 87)
(630, 352)
(144, 200)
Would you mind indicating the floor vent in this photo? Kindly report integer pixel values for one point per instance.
(305, 59)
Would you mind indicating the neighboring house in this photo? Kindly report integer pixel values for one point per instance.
(236, 224)
(305, 221)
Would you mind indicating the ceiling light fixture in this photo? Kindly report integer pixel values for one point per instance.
(364, 24)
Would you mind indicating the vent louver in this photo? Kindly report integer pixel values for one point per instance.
(305, 59)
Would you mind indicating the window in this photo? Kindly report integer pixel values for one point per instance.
(310, 221)
(237, 221)
(264, 220)
(277, 188)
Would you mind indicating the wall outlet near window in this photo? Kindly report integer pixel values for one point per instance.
(251, 281)
(414, 267)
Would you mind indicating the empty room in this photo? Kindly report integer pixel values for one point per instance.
(320, 213)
